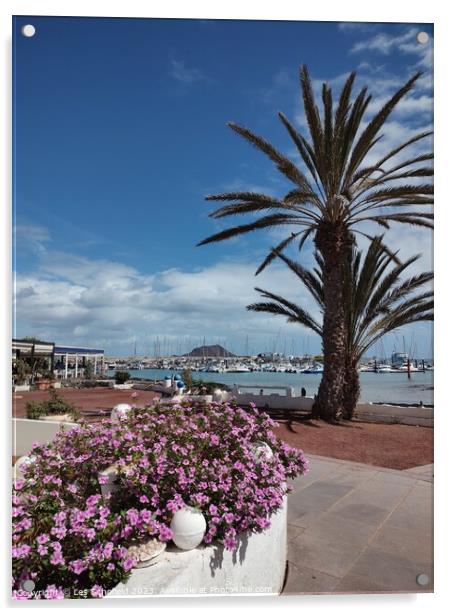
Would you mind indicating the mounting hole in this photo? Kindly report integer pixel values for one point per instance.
(422, 579)
(28, 30)
(422, 38)
(28, 585)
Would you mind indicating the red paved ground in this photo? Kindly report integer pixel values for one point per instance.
(85, 399)
(389, 445)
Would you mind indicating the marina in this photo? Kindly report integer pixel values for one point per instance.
(392, 387)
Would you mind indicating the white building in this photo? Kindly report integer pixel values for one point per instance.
(71, 362)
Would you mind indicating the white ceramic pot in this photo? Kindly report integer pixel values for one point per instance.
(111, 485)
(22, 463)
(188, 526)
(120, 411)
(261, 451)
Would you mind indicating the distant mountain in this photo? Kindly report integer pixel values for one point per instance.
(212, 350)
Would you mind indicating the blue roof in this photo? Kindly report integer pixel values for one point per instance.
(63, 349)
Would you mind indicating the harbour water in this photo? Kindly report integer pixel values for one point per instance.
(391, 387)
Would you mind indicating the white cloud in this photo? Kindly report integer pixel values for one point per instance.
(31, 238)
(405, 43)
(384, 43)
(75, 300)
(185, 74)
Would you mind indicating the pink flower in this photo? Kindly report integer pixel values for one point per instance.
(78, 566)
(54, 592)
(97, 591)
(165, 533)
(58, 531)
(229, 518)
(128, 563)
(57, 559)
(230, 543)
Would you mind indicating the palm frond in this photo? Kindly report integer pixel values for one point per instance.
(274, 251)
(283, 164)
(273, 220)
(365, 141)
(279, 305)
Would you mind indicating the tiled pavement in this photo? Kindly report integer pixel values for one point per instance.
(356, 528)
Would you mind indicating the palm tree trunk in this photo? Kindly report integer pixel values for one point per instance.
(333, 242)
(352, 389)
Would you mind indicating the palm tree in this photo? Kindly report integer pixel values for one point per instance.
(335, 189)
(376, 300)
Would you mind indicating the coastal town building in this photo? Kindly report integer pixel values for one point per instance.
(64, 361)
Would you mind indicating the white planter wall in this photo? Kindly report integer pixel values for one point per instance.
(27, 431)
(257, 566)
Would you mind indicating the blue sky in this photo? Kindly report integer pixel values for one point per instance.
(120, 131)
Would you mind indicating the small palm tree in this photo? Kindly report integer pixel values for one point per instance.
(376, 300)
(334, 190)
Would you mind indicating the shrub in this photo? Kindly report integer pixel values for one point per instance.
(88, 372)
(87, 384)
(67, 538)
(46, 375)
(34, 409)
(186, 377)
(208, 387)
(56, 405)
(121, 376)
(21, 370)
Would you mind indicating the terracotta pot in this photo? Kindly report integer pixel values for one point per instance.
(44, 384)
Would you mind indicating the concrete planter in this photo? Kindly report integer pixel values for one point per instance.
(257, 566)
(21, 387)
(25, 432)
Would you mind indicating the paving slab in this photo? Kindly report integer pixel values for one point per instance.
(403, 542)
(355, 528)
(390, 571)
(323, 554)
(314, 582)
(421, 472)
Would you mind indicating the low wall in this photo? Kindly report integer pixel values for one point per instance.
(380, 413)
(275, 401)
(388, 413)
(28, 431)
(257, 566)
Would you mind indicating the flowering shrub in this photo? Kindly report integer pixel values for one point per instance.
(67, 538)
